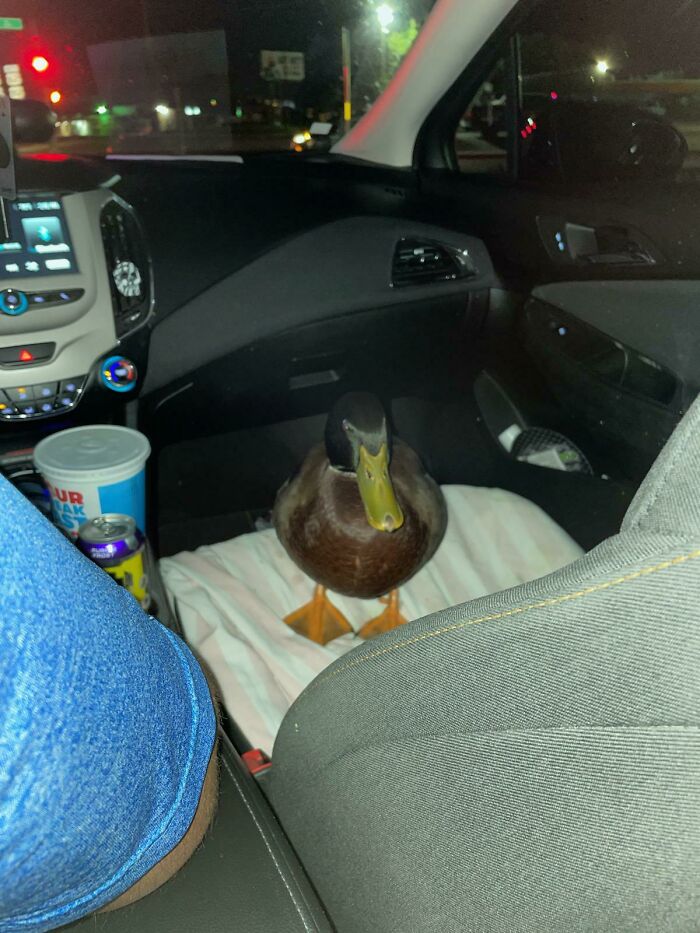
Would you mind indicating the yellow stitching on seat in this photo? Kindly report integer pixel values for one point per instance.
(510, 612)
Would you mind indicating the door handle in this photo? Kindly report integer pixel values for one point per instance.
(618, 246)
(608, 244)
(634, 256)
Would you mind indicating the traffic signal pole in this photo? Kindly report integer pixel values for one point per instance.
(347, 77)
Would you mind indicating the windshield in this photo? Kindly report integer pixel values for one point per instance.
(207, 77)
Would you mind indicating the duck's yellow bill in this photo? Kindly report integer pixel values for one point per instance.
(382, 510)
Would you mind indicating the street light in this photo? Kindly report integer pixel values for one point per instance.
(385, 15)
(602, 67)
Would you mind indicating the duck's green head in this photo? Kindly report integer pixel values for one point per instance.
(358, 440)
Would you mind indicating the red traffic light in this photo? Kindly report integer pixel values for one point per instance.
(40, 63)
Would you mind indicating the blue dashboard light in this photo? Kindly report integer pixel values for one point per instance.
(13, 302)
(118, 374)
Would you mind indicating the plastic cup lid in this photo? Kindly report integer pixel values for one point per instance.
(91, 449)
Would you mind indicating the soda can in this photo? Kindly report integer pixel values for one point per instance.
(114, 543)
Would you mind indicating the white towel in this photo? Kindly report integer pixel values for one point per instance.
(232, 597)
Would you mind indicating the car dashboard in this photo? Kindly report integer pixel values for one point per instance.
(76, 298)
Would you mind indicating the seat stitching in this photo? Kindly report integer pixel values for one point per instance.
(309, 929)
(567, 597)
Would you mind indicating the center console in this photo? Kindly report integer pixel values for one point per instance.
(76, 298)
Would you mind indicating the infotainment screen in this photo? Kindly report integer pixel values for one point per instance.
(39, 241)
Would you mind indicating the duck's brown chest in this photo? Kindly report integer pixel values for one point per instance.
(327, 534)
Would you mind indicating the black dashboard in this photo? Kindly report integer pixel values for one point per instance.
(76, 300)
(231, 292)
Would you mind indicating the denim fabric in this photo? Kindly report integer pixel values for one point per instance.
(106, 729)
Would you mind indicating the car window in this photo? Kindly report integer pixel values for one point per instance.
(481, 140)
(593, 66)
(216, 76)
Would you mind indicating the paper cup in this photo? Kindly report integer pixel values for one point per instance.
(94, 470)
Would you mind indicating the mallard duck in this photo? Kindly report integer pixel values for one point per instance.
(360, 517)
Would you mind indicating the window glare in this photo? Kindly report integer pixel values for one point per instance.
(214, 76)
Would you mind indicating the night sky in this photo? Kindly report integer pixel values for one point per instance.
(643, 36)
(309, 26)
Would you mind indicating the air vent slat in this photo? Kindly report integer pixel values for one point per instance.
(128, 266)
(418, 262)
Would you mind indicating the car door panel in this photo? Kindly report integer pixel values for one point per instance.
(647, 308)
(508, 218)
(623, 397)
(656, 318)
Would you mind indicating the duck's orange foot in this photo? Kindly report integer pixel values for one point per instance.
(385, 621)
(319, 620)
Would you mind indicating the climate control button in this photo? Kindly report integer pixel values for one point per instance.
(13, 302)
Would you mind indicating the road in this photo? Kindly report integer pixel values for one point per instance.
(473, 152)
(208, 140)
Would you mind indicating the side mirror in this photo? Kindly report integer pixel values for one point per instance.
(594, 141)
(32, 122)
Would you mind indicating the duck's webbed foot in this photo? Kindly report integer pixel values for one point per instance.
(319, 620)
(386, 621)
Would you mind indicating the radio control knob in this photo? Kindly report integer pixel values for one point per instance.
(13, 302)
(118, 374)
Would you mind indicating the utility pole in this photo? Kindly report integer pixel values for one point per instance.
(347, 77)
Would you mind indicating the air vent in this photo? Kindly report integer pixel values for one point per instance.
(419, 262)
(128, 266)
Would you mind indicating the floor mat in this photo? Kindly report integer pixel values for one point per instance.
(231, 598)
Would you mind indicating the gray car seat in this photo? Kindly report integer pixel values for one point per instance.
(529, 761)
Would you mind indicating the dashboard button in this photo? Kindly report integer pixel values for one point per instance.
(20, 394)
(26, 355)
(54, 265)
(72, 386)
(50, 299)
(6, 409)
(46, 406)
(45, 390)
(13, 302)
(30, 408)
(65, 401)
